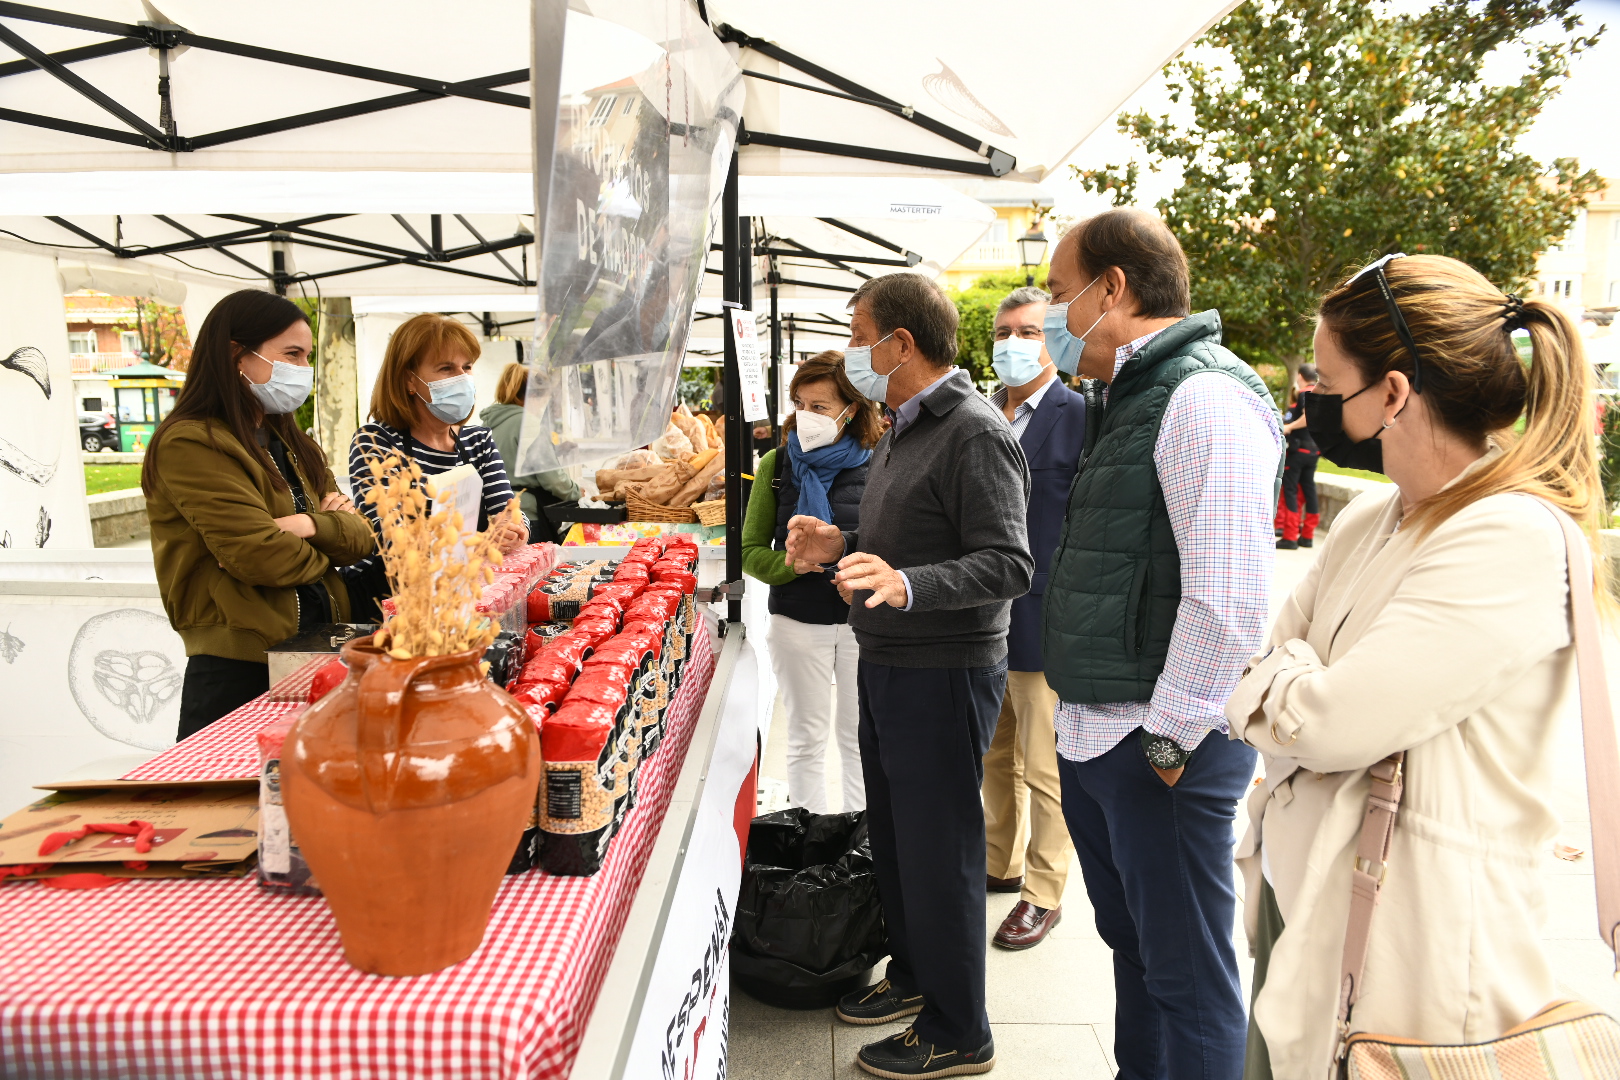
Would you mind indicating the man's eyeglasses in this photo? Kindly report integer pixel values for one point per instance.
(1401, 329)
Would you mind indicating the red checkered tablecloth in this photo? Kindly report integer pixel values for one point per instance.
(224, 750)
(217, 979)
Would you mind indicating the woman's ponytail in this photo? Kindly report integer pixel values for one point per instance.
(1476, 384)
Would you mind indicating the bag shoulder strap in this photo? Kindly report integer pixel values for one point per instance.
(1602, 792)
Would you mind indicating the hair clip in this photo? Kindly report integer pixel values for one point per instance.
(1513, 314)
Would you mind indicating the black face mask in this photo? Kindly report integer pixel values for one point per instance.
(1324, 419)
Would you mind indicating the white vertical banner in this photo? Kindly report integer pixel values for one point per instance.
(41, 478)
(681, 1034)
(749, 373)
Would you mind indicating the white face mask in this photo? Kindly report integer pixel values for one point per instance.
(287, 387)
(816, 430)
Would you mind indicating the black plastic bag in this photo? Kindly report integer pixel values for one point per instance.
(809, 921)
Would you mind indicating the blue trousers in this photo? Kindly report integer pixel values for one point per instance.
(924, 732)
(1157, 862)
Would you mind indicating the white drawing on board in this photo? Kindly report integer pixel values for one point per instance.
(31, 362)
(125, 669)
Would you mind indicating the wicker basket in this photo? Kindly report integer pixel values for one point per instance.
(711, 513)
(639, 509)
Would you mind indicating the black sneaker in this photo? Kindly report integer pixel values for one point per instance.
(1287, 545)
(1305, 541)
(880, 1004)
(906, 1057)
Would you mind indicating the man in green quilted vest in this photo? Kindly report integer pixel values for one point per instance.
(1157, 596)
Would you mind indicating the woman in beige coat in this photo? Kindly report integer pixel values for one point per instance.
(1434, 621)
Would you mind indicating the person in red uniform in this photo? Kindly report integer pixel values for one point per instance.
(1299, 474)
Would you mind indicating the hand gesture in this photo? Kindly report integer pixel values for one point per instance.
(336, 500)
(863, 571)
(811, 540)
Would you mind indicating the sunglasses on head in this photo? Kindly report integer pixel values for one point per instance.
(1395, 316)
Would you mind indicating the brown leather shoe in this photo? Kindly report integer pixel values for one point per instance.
(1003, 884)
(1027, 925)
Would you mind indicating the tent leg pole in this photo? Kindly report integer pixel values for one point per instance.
(733, 259)
(776, 366)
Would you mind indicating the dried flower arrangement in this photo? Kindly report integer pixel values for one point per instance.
(436, 572)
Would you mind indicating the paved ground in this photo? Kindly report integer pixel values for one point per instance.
(1051, 1007)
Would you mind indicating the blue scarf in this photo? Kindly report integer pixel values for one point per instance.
(815, 470)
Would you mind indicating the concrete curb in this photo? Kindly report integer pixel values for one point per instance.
(118, 516)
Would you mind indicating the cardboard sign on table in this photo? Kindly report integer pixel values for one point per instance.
(200, 828)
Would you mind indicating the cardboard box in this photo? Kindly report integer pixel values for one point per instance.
(201, 828)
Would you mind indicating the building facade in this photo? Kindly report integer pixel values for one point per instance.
(1581, 273)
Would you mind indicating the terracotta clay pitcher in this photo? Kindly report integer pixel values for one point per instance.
(408, 788)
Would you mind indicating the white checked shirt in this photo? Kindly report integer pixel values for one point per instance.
(1216, 457)
(1026, 408)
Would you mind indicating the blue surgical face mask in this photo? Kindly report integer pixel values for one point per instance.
(453, 398)
(287, 387)
(1017, 360)
(1064, 347)
(858, 366)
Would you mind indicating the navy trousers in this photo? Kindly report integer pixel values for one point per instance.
(1157, 862)
(923, 735)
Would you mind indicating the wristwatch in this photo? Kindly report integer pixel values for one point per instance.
(1163, 752)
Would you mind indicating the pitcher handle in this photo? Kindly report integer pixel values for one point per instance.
(380, 723)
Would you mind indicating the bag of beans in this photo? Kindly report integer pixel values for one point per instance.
(577, 800)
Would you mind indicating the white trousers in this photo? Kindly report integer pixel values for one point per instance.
(808, 658)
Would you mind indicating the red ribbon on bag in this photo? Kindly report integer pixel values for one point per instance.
(142, 831)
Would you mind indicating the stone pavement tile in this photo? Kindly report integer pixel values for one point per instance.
(1070, 1051)
(746, 1008)
(1105, 1039)
(1024, 987)
(757, 1050)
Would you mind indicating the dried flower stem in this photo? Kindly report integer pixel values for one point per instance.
(436, 574)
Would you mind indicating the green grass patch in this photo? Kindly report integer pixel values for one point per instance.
(100, 478)
(1324, 465)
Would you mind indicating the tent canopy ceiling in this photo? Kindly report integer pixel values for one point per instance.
(429, 89)
(408, 251)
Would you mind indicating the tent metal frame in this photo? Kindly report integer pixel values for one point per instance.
(165, 37)
(738, 247)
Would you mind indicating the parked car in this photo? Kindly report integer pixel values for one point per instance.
(98, 431)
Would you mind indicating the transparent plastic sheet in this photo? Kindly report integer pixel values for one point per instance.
(638, 171)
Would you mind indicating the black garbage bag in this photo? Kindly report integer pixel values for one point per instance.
(809, 920)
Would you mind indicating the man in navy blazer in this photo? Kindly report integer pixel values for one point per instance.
(1021, 784)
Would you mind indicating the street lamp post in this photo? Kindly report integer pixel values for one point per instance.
(1032, 252)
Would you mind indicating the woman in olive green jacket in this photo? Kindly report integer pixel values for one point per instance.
(247, 522)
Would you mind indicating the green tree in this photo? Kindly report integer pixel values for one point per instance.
(976, 319)
(1340, 133)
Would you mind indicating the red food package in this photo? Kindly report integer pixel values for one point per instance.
(645, 636)
(621, 591)
(595, 629)
(601, 685)
(660, 606)
(571, 647)
(669, 572)
(631, 570)
(547, 667)
(611, 602)
(326, 680)
(547, 696)
(620, 666)
(577, 732)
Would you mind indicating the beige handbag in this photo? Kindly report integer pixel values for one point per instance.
(1567, 1040)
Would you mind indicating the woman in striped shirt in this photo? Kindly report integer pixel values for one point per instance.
(419, 410)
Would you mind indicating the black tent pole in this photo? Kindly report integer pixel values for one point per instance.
(776, 360)
(733, 259)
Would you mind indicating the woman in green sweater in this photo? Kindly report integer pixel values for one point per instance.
(819, 470)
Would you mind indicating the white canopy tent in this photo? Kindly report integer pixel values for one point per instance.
(386, 153)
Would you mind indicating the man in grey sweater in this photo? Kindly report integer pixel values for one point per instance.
(931, 573)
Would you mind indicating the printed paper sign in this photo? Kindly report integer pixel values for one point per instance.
(749, 372)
